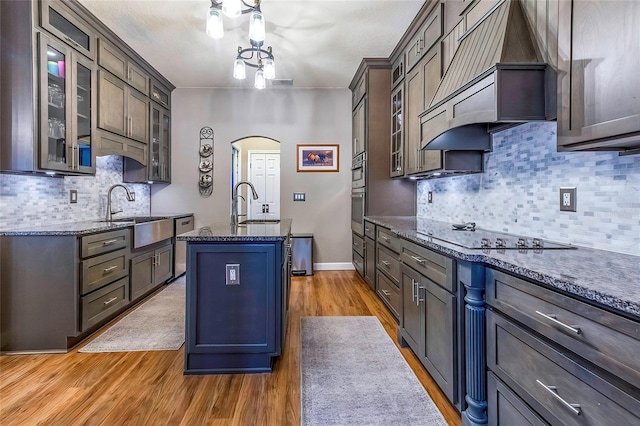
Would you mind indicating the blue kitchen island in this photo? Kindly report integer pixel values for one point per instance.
(238, 281)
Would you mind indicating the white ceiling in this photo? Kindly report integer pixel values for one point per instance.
(317, 43)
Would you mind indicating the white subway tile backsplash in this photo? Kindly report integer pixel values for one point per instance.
(29, 200)
(519, 192)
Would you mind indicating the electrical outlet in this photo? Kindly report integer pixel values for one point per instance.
(233, 274)
(299, 196)
(429, 197)
(73, 196)
(568, 199)
(133, 196)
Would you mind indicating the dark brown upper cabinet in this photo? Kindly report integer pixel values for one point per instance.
(598, 84)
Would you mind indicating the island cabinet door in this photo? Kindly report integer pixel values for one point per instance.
(231, 298)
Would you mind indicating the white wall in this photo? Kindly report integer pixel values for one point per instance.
(290, 116)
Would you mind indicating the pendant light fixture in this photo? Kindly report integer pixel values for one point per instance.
(254, 56)
(233, 9)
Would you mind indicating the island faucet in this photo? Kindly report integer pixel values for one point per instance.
(234, 200)
(110, 212)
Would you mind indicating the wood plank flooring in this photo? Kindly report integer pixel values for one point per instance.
(148, 388)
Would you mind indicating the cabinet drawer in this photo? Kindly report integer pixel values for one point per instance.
(101, 270)
(505, 407)
(436, 267)
(184, 224)
(105, 242)
(388, 239)
(389, 263)
(103, 302)
(358, 244)
(556, 387)
(606, 339)
(369, 230)
(390, 294)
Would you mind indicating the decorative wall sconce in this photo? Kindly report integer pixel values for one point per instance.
(205, 181)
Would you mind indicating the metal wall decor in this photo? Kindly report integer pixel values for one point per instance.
(205, 151)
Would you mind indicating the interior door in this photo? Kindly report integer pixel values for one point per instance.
(264, 174)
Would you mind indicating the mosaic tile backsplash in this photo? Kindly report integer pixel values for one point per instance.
(519, 192)
(27, 200)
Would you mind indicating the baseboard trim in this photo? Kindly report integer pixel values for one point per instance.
(333, 266)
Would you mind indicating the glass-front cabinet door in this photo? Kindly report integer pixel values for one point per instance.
(67, 108)
(397, 134)
(159, 160)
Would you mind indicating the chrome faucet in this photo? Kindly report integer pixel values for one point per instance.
(234, 200)
(110, 212)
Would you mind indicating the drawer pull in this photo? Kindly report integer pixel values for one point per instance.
(386, 264)
(110, 268)
(109, 242)
(575, 408)
(418, 259)
(386, 292)
(113, 299)
(553, 319)
(386, 239)
(186, 222)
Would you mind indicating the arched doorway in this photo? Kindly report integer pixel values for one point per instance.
(256, 159)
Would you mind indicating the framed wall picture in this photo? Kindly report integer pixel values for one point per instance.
(318, 158)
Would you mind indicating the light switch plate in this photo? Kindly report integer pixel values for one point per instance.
(233, 274)
(568, 199)
(73, 196)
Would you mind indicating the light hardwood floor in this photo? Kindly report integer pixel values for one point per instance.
(148, 388)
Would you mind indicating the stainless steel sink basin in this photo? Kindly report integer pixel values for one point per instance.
(259, 221)
(148, 229)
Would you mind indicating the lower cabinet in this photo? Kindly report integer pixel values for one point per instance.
(150, 269)
(235, 306)
(78, 284)
(542, 347)
(428, 321)
(370, 262)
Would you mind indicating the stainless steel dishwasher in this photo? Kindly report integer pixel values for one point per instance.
(182, 225)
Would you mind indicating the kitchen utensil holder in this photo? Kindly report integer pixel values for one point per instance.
(205, 166)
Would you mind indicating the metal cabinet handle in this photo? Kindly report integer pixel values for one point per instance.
(113, 299)
(186, 222)
(418, 259)
(413, 290)
(386, 292)
(110, 242)
(72, 41)
(553, 390)
(552, 318)
(418, 300)
(110, 268)
(386, 264)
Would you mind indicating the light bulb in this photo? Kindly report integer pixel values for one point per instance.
(256, 26)
(232, 8)
(239, 69)
(215, 28)
(260, 82)
(269, 69)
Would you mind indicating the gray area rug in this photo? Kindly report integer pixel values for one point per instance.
(156, 325)
(353, 374)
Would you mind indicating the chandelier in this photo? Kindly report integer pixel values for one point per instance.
(254, 56)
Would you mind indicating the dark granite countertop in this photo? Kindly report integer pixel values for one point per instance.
(220, 232)
(607, 278)
(78, 228)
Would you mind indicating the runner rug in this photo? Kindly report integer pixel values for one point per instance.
(353, 374)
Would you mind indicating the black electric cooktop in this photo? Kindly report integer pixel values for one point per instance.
(476, 238)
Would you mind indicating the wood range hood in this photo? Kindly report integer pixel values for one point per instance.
(496, 80)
